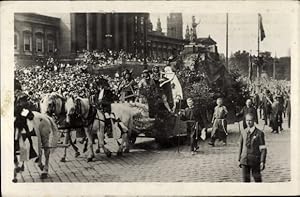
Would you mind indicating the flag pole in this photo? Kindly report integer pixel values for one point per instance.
(227, 40)
(258, 66)
(274, 66)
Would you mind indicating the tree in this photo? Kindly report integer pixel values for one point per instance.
(239, 62)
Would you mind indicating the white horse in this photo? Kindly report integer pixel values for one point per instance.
(121, 122)
(54, 104)
(47, 136)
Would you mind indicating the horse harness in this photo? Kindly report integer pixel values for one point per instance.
(92, 116)
(88, 121)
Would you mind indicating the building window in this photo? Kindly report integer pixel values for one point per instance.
(50, 45)
(16, 41)
(39, 41)
(27, 41)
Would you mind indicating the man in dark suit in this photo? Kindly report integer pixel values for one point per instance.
(195, 120)
(246, 110)
(252, 151)
(267, 101)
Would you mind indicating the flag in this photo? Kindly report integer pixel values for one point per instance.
(261, 28)
(250, 68)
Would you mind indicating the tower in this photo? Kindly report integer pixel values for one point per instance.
(158, 25)
(174, 25)
(187, 33)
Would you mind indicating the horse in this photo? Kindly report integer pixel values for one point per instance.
(54, 104)
(122, 116)
(47, 137)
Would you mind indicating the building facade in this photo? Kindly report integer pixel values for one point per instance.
(38, 36)
(114, 31)
(160, 46)
(35, 36)
(175, 25)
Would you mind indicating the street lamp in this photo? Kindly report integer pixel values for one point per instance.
(107, 37)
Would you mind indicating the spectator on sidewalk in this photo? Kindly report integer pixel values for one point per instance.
(246, 110)
(219, 129)
(252, 151)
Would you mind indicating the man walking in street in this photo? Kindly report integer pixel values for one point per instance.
(252, 151)
(267, 101)
(246, 110)
(195, 123)
(219, 129)
(275, 117)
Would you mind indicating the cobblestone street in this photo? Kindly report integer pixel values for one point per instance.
(147, 162)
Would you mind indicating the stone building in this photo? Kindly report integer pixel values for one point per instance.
(35, 36)
(175, 25)
(38, 36)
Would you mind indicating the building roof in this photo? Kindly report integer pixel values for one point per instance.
(206, 41)
(37, 18)
(164, 38)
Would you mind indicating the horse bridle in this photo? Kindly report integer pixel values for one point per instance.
(53, 108)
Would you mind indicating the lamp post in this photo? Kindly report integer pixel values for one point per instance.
(107, 37)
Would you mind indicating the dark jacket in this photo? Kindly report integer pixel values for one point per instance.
(256, 152)
(197, 114)
(266, 103)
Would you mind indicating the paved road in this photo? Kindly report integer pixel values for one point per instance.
(149, 163)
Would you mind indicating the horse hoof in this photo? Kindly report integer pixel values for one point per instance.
(44, 175)
(97, 150)
(119, 153)
(108, 154)
(63, 159)
(41, 167)
(15, 180)
(90, 159)
(77, 154)
(18, 169)
(126, 150)
(36, 160)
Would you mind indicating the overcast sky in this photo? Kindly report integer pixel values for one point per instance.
(242, 31)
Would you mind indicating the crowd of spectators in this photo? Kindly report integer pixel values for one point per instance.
(110, 58)
(63, 79)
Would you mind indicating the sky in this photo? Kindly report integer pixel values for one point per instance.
(242, 31)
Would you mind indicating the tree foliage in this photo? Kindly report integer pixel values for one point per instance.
(231, 85)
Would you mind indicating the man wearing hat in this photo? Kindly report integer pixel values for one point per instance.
(156, 75)
(126, 88)
(195, 123)
(148, 91)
